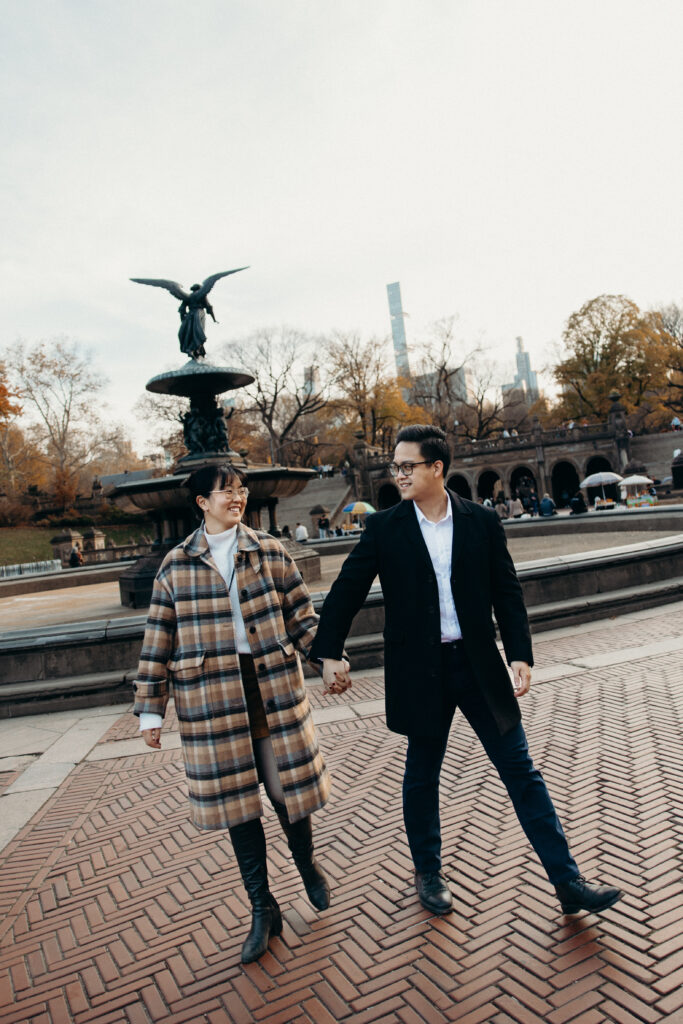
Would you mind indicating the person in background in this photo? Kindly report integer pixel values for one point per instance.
(547, 505)
(76, 557)
(300, 533)
(286, 533)
(229, 612)
(502, 507)
(516, 507)
(578, 505)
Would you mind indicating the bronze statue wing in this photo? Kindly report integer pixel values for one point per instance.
(210, 281)
(171, 286)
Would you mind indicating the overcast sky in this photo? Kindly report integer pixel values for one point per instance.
(505, 160)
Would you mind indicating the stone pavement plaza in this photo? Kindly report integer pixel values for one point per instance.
(114, 909)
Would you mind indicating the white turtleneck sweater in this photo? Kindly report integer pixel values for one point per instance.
(223, 547)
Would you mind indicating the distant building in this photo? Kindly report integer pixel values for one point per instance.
(311, 380)
(524, 388)
(427, 392)
(398, 329)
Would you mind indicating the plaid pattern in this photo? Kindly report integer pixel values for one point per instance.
(190, 642)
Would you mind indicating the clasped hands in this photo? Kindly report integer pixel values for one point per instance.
(336, 675)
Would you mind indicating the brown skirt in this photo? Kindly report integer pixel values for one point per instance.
(258, 723)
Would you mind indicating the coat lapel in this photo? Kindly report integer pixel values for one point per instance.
(412, 538)
(460, 526)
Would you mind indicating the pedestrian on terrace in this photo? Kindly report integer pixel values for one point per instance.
(229, 613)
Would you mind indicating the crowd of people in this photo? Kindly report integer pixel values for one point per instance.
(526, 502)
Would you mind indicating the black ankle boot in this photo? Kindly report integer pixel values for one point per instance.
(582, 895)
(249, 844)
(300, 841)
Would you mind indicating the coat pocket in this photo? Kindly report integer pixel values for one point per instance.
(186, 668)
(287, 647)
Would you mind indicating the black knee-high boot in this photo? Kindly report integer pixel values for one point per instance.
(249, 844)
(300, 841)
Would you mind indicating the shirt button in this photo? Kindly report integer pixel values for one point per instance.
(270, 705)
(243, 593)
(252, 629)
(261, 668)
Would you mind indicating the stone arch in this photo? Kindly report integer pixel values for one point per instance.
(387, 496)
(598, 464)
(565, 482)
(489, 483)
(460, 484)
(522, 477)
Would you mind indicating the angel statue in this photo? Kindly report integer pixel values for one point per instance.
(194, 305)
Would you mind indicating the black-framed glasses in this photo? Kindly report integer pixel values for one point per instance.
(406, 468)
(241, 492)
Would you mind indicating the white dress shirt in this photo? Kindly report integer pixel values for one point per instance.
(222, 547)
(439, 540)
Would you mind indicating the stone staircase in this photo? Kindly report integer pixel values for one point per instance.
(332, 492)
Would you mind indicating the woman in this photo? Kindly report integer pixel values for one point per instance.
(228, 610)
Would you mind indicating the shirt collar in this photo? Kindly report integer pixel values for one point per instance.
(422, 518)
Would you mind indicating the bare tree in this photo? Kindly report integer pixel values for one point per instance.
(290, 383)
(163, 415)
(442, 381)
(59, 387)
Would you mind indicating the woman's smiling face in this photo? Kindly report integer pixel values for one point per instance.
(224, 505)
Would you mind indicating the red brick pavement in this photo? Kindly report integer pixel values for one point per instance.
(114, 909)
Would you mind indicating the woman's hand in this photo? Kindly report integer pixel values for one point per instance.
(152, 738)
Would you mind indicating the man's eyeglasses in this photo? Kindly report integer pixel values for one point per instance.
(241, 492)
(406, 468)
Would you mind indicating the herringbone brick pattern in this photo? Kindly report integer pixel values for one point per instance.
(116, 910)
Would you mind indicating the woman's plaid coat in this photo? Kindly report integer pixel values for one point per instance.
(190, 642)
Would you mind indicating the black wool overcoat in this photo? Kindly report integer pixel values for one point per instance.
(483, 581)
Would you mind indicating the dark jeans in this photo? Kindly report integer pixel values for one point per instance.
(509, 755)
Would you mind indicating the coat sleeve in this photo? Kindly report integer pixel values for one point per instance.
(507, 597)
(151, 683)
(301, 620)
(346, 596)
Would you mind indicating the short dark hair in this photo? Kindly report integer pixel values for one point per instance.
(212, 478)
(432, 442)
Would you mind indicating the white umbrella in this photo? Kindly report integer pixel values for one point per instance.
(633, 481)
(600, 479)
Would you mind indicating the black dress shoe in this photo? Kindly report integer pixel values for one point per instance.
(582, 895)
(433, 892)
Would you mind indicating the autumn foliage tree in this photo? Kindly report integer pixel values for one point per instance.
(672, 322)
(369, 398)
(611, 345)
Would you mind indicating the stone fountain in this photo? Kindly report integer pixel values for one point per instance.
(165, 499)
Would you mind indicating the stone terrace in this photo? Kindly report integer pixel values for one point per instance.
(114, 909)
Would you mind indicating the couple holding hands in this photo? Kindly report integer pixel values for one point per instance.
(230, 616)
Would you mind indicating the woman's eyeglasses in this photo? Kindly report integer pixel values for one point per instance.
(229, 492)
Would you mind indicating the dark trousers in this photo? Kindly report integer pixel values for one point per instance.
(509, 755)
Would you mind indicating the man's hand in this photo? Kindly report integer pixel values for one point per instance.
(152, 738)
(336, 675)
(521, 677)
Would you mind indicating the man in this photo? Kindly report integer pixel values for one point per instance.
(443, 565)
(301, 533)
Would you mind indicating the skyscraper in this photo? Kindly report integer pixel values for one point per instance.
(398, 330)
(525, 373)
